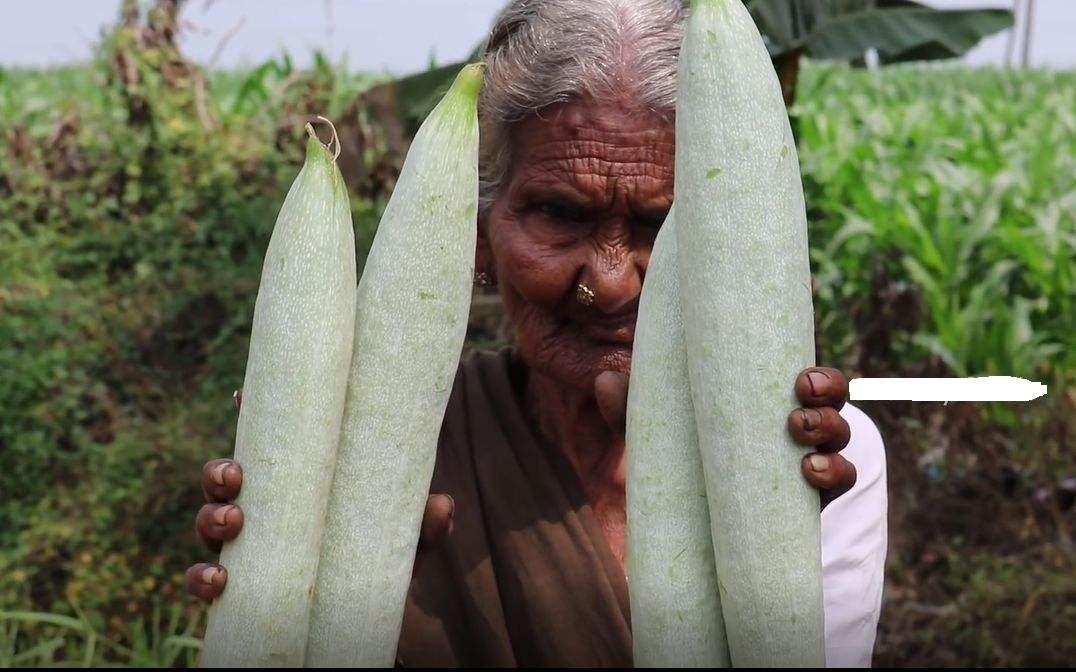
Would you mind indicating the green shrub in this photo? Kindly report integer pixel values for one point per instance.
(130, 251)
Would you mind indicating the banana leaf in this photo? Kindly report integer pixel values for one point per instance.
(843, 30)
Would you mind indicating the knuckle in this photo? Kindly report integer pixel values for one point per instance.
(830, 420)
(850, 474)
(206, 523)
(840, 434)
(843, 474)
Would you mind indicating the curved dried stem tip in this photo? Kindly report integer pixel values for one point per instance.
(334, 141)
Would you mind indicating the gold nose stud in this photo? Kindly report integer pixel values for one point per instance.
(584, 294)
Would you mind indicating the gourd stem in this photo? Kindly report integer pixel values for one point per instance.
(334, 141)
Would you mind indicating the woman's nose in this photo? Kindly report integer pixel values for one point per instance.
(615, 275)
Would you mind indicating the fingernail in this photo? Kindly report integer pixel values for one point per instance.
(811, 418)
(217, 473)
(819, 462)
(815, 380)
(208, 574)
(451, 506)
(220, 516)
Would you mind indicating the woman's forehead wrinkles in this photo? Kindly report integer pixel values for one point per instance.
(582, 163)
(646, 184)
(637, 150)
(604, 154)
(597, 125)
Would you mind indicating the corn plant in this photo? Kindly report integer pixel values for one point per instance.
(961, 183)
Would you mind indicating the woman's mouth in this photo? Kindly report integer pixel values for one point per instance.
(618, 331)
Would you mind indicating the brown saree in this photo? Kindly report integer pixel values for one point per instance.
(526, 577)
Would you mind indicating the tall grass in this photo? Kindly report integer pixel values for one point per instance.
(37, 639)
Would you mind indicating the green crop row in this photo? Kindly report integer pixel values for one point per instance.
(951, 193)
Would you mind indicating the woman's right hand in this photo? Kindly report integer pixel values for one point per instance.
(221, 520)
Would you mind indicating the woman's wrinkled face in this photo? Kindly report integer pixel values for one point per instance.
(588, 190)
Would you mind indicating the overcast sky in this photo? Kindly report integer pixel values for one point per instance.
(398, 36)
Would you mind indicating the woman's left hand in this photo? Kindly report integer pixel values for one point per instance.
(817, 424)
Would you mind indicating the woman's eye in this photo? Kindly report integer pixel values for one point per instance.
(561, 212)
(652, 221)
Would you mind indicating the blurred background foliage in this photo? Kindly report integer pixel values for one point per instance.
(137, 195)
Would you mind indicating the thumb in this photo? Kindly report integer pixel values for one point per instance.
(611, 393)
(436, 523)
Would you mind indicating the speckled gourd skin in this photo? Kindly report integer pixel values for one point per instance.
(748, 318)
(413, 302)
(289, 423)
(675, 609)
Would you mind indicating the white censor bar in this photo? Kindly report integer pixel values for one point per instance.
(985, 388)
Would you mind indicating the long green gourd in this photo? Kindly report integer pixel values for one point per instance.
(675, 610)
(748, 318)
(413, 302)
(289, 423)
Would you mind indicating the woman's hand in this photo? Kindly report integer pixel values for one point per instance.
(817, 424)
(217, 521)
(221, 520)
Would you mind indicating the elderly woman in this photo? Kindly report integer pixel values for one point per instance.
(522, 549)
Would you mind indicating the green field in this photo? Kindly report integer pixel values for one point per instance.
(132, 224)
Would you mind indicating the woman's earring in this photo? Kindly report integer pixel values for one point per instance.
(483, 279)
(584, 294)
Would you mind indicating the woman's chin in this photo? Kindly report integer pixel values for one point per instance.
(612, 357)
(603, 355)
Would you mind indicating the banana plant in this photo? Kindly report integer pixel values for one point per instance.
(834, 30)
(844, 30)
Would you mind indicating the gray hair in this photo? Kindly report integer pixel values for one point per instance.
(544, 52)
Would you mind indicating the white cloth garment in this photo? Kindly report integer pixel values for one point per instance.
(854, 543)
